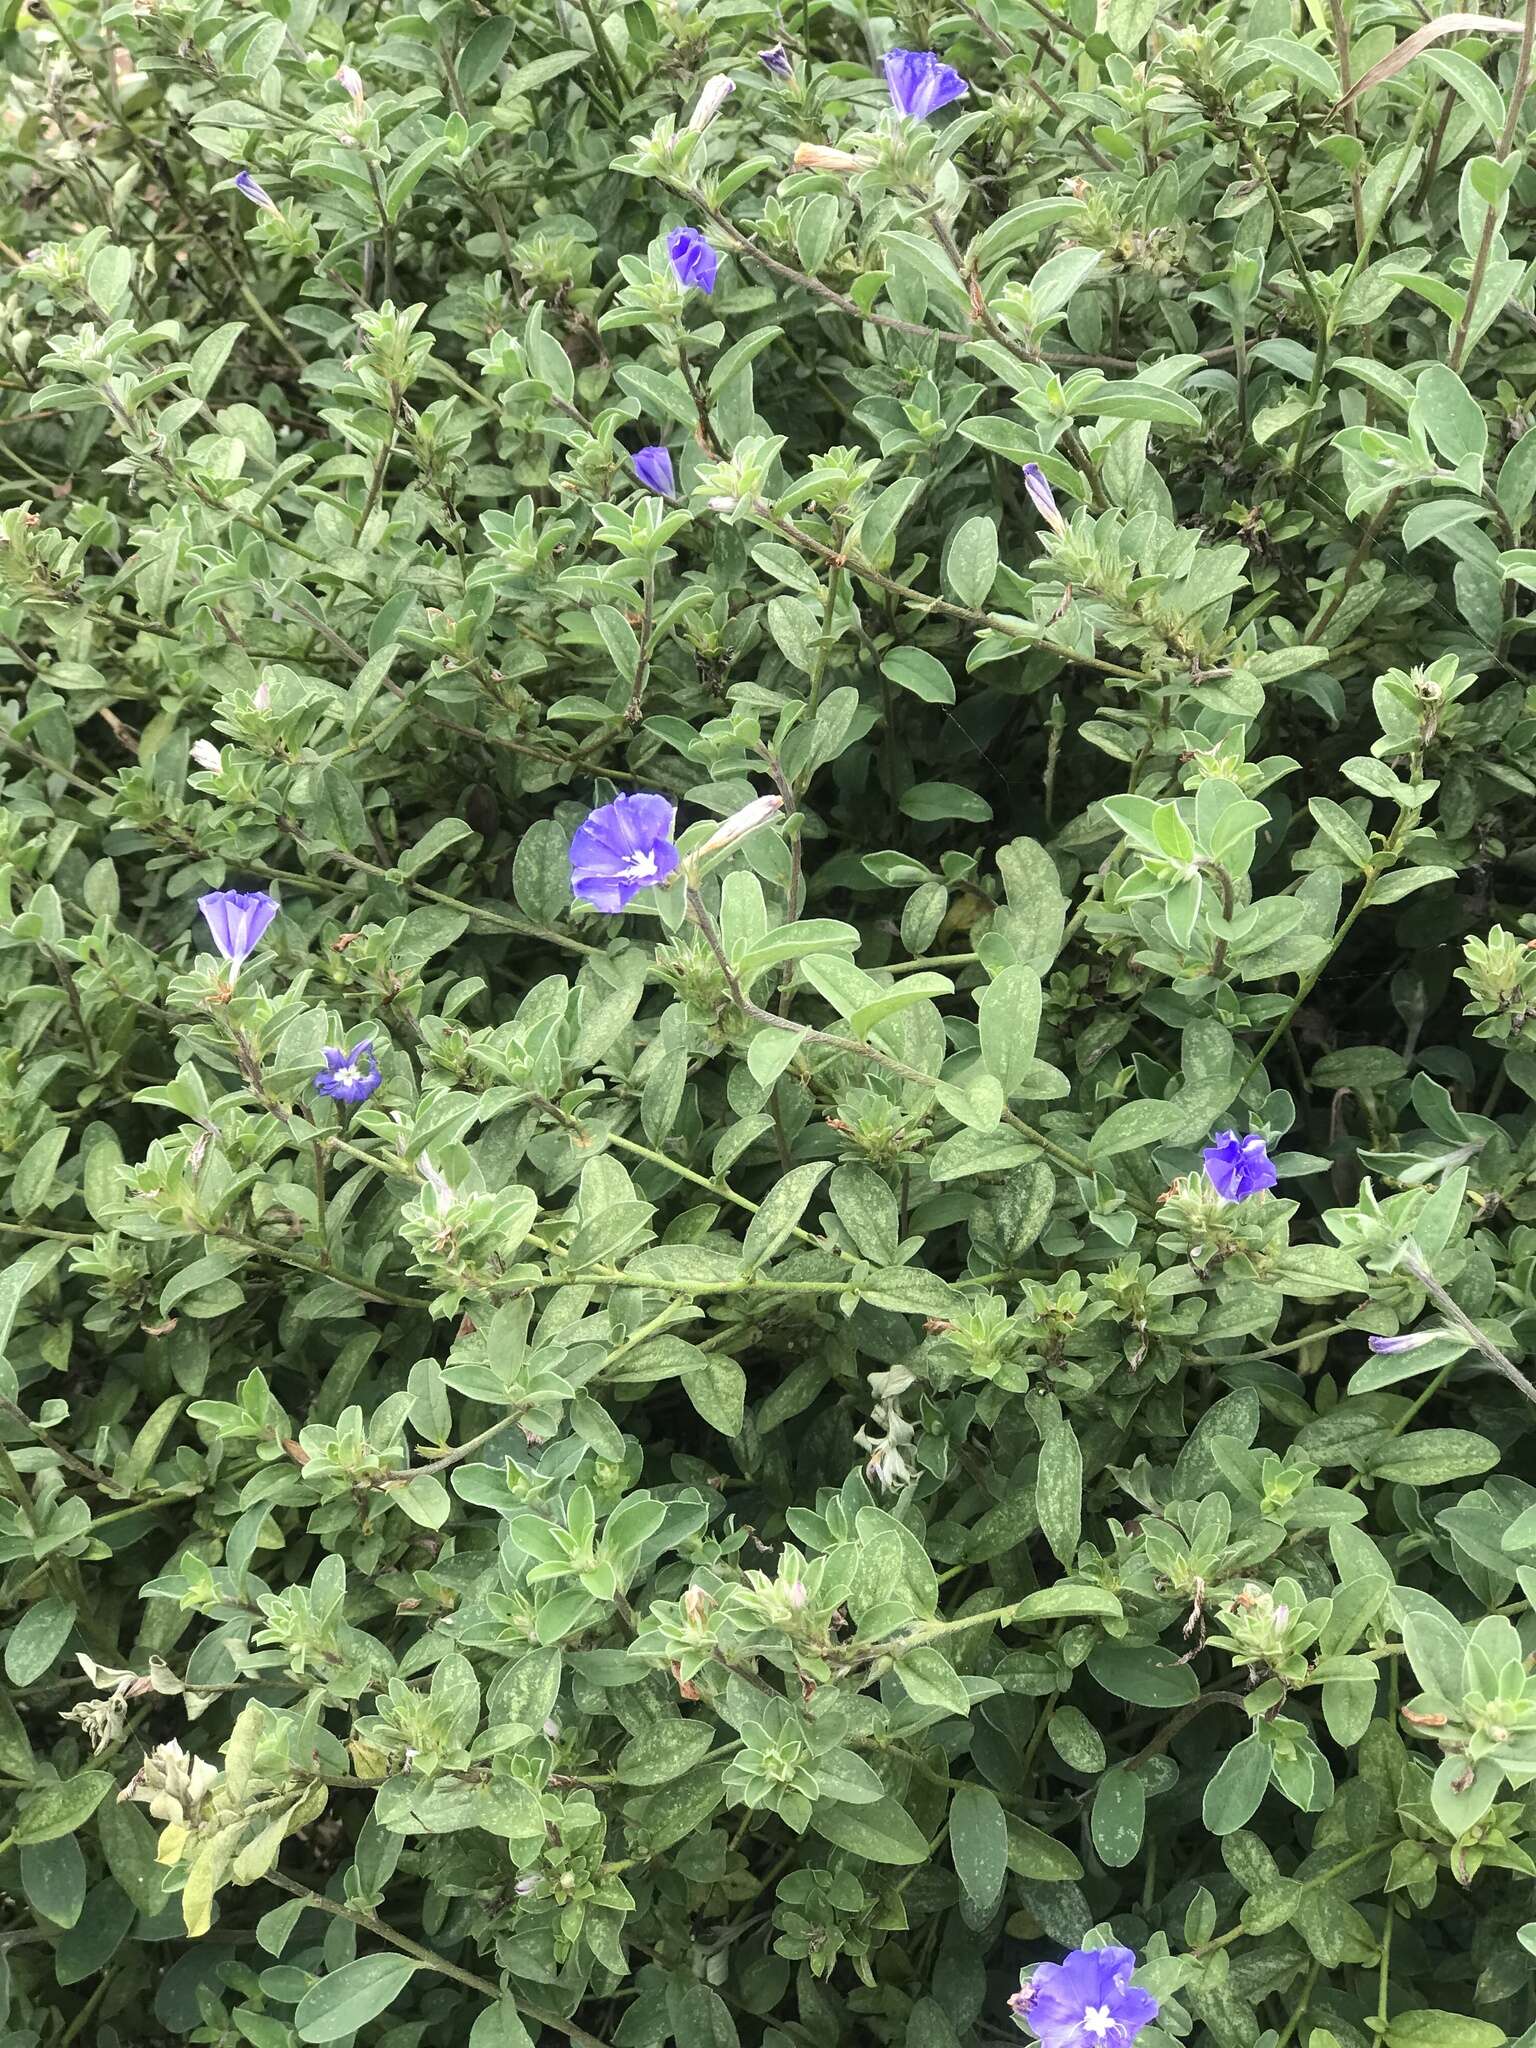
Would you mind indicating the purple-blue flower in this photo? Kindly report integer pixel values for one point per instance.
(1410, 1341)
(237, 919)
(622, 848)
(653, 466)
(777, 61)
(349, 1076)
(248, 188)
(694, 262)
(919, 84)
(1087, 2000)
(1042, 497)
(1238, 1167)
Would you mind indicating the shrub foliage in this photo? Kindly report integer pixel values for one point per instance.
(755, 1487)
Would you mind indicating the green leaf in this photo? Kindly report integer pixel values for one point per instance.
(1233, 1795)
(1119, 1816)
(1033, 1853)
(913, 669)
(59, 1809)
(1126, 22)
(1131, 1126)
(500, 2026)
(37, 1639)
(1433, 1457)
(718, 1389)
(1428, 2029)
(1449, 414)
(931, 801)
(978, 1844)
(664, 1751)
(1066, 1598)
(1059, 1491)
(884, 1831)
(970, 561)
(780, 1212)
(1301, 61)
(348, 1998)
(1008, 1008)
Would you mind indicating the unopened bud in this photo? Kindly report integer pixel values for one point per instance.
(350, 83)
(207, 755)
(711, 100)
(1042, 497)
(247, 186)
(740, 823)
(814, 156)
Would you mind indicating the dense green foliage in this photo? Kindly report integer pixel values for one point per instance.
(755, 1490)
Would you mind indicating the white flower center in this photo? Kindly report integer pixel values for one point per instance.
(640, 867)
(348, 1076)
(1099, 2021)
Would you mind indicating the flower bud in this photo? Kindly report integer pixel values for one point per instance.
(207, 755)
(714, 96)
(248, 188)
(740, 823)
(1042, 497)
(813, 156)
(350, 83)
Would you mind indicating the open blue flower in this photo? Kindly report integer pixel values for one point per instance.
(349, 1076)
(694, 262)
(653, 466)
(1238, 1167)
(919, 84)
(237, 918)
(1087, 2000)
(622, 848)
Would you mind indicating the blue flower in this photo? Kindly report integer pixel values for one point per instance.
(776, 61)
(653, 466)
(1042, 497)
(1085, 2001)
(1238, 1167)
(622, 848)
(349, 1076)
(919, 84)
(248, 188)
(237, 920)
(694, 262)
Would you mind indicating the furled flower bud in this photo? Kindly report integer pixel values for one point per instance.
(714, 96)
(777, 61)
(815, 156)
(350, 83)
(1042, 497)
(248, 188)
(1410, 1341)
(207, 755)
(740, 823)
